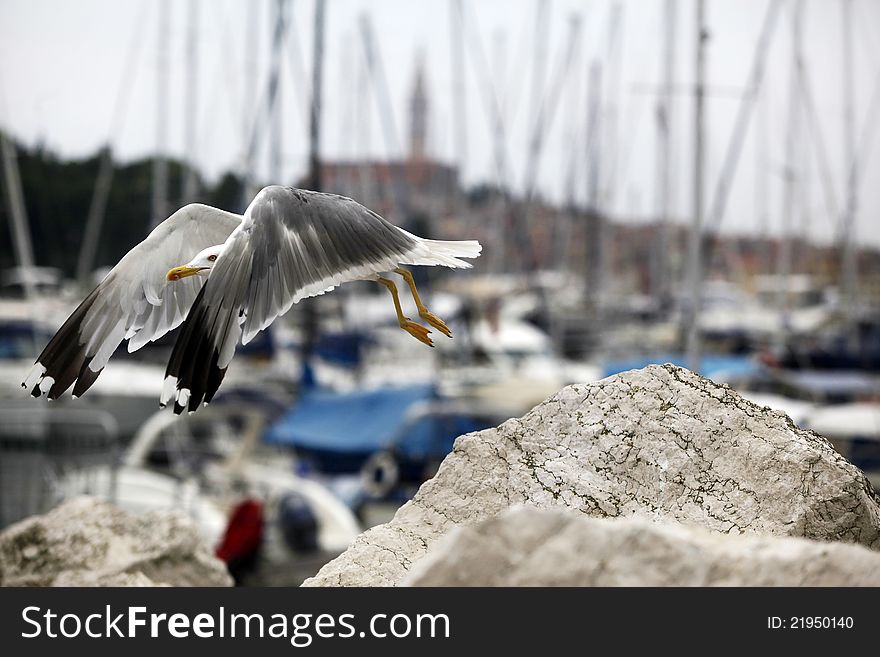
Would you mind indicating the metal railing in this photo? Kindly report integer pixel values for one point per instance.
(42, 446)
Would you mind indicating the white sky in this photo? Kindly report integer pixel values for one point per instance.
(62, 62)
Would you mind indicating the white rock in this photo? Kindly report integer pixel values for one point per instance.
(527, 546)
(89, 542)
(88, 578)
(660, 442)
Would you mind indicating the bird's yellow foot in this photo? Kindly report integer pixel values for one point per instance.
(418, 331)
(436, 322)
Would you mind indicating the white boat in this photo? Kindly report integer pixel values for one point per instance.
(797, 409)
(221, 448)
(854, 430)
(139, 490)
(843, 420)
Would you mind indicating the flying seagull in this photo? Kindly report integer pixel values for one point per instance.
(247, 270)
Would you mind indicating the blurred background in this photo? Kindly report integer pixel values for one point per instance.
(686, 181)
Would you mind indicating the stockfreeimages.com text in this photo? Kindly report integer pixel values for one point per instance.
(299, 629)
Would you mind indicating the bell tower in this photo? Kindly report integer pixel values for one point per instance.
(418, 114)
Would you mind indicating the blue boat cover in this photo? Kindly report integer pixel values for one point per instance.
(357, 422)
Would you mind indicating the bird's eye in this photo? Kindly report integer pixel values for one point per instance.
(212, 258)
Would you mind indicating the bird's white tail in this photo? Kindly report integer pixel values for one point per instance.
(445, 253)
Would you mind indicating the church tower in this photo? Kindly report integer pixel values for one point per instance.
(418, 115)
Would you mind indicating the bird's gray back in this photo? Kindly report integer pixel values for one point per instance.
(331, 233)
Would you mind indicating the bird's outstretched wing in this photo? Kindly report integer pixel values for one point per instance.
(291, 244)
(133, 301)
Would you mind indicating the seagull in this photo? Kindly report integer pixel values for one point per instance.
(242, 273)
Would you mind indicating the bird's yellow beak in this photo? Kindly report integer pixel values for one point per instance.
(182, 272)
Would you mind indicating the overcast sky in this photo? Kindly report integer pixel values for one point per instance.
(62, 63)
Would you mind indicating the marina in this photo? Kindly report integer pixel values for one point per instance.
(691, 215)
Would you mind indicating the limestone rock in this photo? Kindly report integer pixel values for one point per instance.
(87, 578)
(660, 442)
(526, 546)
(89, 542)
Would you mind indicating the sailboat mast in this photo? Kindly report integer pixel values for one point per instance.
(594, 104)
(572, 157)
(190, 183)
(529, 258)
(275, 114)
(695, 274)
(315, 179)
(660, 287)
(761, 179)
(785, 249)
(24, 252)
(315, 106)
(611, 109)
(606, 150)
(539, 60)
(251, 105)
(399, 188)
(518, 251)
(459, 95)
(160, 162)
(98, 205)
(849, 158)
(365, 124)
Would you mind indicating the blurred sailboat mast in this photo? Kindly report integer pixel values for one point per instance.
(784, 263)
(761, 179)
(315, 181)
(733, 151)
(24, 252)
(252, 105)
(594, 121)
(492, 96)
(382, 94)
(660, 279)
(98, 205)
(159, 205)
(572, 161)
(850, 281)
(267, 110)
(543, 124)
(605, 148)
(274, 105)
(367, 186)
(518, 251)
(459, 97)
(190, 179)
(695, 274)
(95, 218)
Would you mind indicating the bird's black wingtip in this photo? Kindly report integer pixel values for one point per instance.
(64, 361)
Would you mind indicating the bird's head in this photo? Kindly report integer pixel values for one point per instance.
(201, 264)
